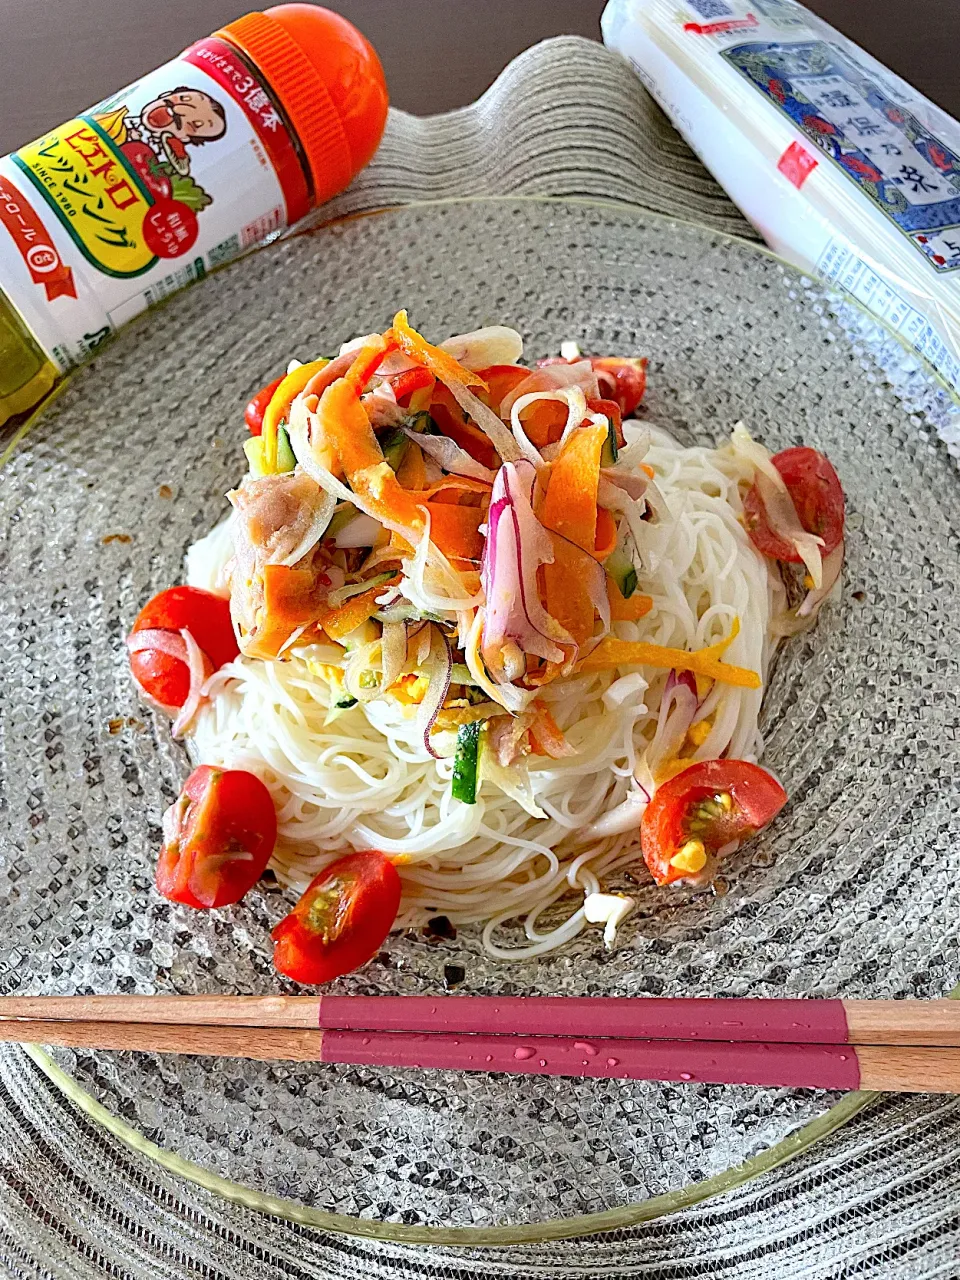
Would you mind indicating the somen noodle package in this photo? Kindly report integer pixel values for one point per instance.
(844, 169)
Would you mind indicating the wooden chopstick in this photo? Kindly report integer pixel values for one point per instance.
(871, 1022)
(909, 1069)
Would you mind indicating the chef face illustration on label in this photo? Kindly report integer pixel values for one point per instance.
(182, 118)
(156, 141)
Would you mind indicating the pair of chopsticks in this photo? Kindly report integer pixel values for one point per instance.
(903, 1045)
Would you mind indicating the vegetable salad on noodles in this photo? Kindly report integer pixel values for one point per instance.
(473, 641)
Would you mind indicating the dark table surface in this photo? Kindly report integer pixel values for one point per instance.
(58, 57)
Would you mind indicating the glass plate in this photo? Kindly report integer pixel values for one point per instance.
(854, 891)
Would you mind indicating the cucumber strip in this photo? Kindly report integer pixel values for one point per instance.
(611, 450)
(394, 446)
(286, 460)
(620, 568)
(464, 784)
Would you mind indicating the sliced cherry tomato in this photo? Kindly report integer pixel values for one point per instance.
(257, 407)
(207, 617)
(217, 838)
(629, 381)
(817, 495)
(340, 921)
(707, 806)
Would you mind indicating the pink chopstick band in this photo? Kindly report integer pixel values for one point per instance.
(785, 1021)
(798, 1066)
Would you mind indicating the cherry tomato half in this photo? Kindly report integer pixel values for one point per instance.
(700, 810)
(340, 921)
(621, 379)
(217, 838)
(629, 381)
(817, 495)
(257, 407)
(207, 617)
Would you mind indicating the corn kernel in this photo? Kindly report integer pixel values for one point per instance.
(691, 857)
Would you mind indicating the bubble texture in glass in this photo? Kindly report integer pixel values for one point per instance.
(854, 891)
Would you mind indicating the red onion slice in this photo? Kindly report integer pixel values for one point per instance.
(678, 706)
(200, 669)
(517, 544)
(160, 641)
(494, 344)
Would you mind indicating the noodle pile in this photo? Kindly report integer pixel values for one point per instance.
(366, 780)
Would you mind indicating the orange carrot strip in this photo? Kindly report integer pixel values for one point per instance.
(339, 622)
(439, 362)
(631, 610)
(611, 653)
(605, 540)
(455, 530)
(570, 507)
(646, 467)
(566, 596)
(347, 429)
(292, 598)
(412, 473)
(543, 421)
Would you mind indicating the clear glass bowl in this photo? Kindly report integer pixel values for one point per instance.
(854, 891)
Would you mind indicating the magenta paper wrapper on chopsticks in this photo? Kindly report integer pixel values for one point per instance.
(844, 169)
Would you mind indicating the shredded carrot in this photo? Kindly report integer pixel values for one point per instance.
(291, 599)
(570, 507)
(630, 610)
(455, 530)
(564, 591)
(439, 362)
(646, 467)
(411, 473)
(347, 429)
(546, 736)
(611, 653)
(339, 622)
(605, 540)
(279, 408)
(543, 421)
(368, 360)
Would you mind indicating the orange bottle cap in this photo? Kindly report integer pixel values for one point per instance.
(328, 80)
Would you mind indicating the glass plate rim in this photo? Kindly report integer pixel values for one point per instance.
(565, 1228)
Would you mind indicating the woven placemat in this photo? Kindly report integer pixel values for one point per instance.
(878, 1198)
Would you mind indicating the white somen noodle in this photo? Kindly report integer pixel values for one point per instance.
(365, 780)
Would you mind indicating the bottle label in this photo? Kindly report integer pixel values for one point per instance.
(116, 209)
